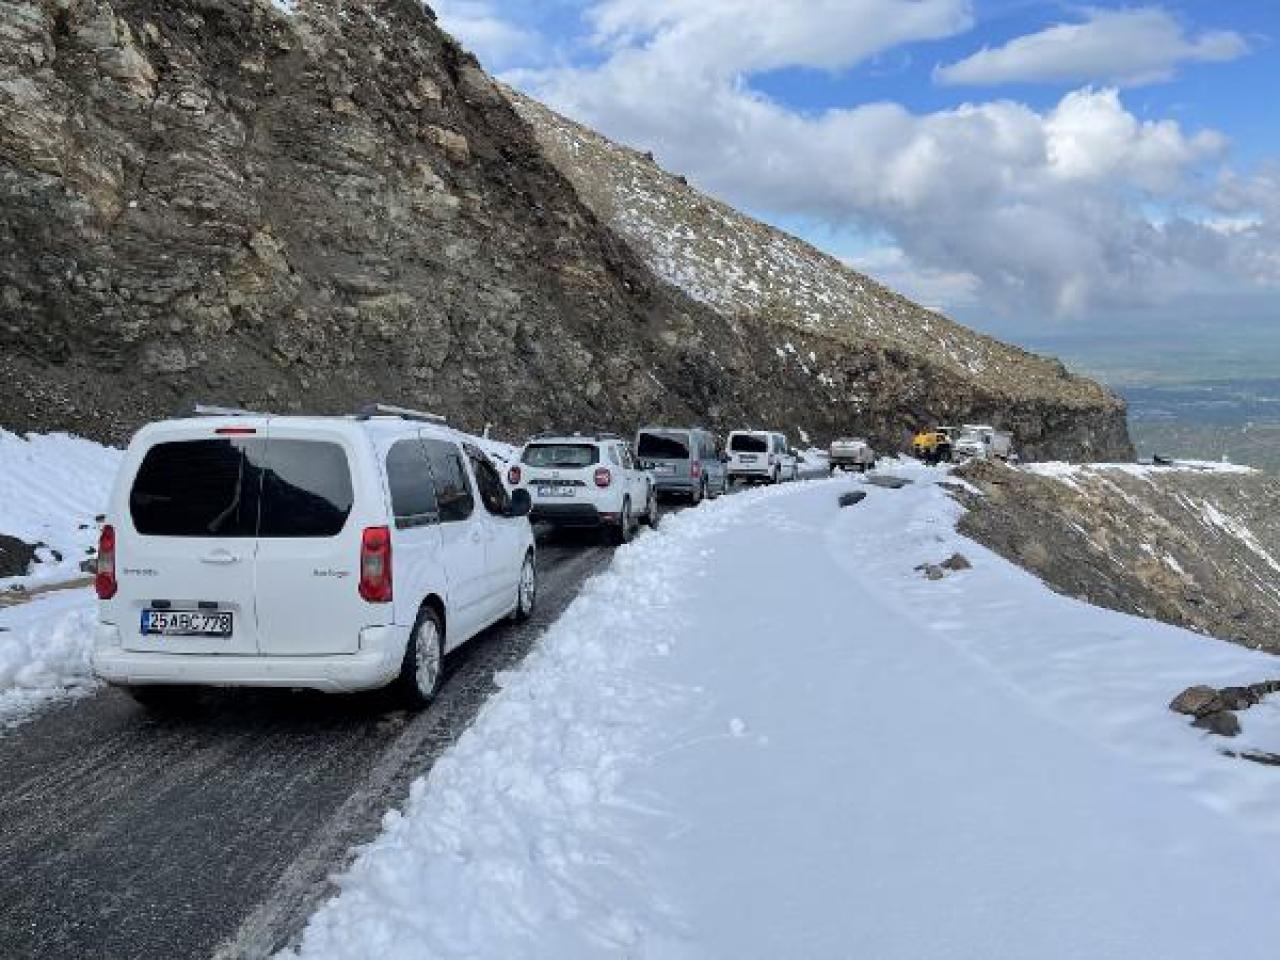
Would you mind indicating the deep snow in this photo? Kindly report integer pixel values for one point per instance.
(762, 733)
(52, 486)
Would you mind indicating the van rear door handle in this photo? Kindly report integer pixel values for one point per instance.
(221, 557)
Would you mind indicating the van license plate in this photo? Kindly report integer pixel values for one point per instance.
(665, 468)
(185, 623)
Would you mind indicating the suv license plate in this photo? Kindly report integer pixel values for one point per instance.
(555, 491)
(185, 623)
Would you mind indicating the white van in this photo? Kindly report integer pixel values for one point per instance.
(761, 456)
(336, 553)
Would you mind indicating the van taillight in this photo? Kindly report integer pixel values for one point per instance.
(603, 477)
(104, 583)
(695, 469)
(375, 565)
(513, 476)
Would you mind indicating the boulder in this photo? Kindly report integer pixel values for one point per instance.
(957, 561)
(853, 496)
(1197, 701)
(16, 556)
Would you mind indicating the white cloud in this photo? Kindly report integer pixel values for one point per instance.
(496, 41)
(1121, 47)
(742, 36)
(1082, 207)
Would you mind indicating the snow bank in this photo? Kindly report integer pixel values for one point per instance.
(762, 733)
(51, 488)
(1065, 471)
(44, 652)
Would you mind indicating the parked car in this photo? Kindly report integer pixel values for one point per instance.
(761, 456)
(851, 453)
(336, 553)
(687, 462)
(586, 480)
(983, 442)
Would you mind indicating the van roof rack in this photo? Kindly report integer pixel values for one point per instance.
(189, 410)
(370, 410)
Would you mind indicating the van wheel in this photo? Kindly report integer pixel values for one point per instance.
(423, 664)
(526, 590)
(651, 515)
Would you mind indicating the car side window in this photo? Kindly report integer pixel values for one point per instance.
(493, 494)
(413, 492)
(613, 455)
(453, 492)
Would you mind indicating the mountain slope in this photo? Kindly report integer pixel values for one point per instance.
(218, 200)
(781, 285)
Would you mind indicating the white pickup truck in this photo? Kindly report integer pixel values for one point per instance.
(851, 453)
(983, 442)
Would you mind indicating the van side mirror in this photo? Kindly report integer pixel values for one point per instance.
(521, 503)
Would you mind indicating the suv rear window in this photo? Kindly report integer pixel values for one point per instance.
(748, 443)
(242, 488)
(564, 455)
(662, 446)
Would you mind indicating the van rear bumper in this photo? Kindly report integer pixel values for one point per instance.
(375, 665)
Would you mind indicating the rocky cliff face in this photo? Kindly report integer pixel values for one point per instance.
(214, 199)
(1190, 545)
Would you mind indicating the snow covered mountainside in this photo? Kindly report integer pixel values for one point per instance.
(765, 733)
(1193, 544)
(886, 363)
(52, 488)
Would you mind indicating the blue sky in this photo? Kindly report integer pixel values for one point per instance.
(1037, 169)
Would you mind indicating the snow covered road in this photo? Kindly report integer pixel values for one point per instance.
(762, 733)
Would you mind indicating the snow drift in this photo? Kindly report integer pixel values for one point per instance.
(763, 733)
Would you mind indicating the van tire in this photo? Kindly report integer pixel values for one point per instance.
(650, 519)
(526, 590)
(695, 496)
(418, 683)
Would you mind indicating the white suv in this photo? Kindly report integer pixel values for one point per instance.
(589, 480)
(336, 553)
(761, 455)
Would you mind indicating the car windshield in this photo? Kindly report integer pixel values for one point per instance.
(663, 446)
(748, 443)
(562, 455)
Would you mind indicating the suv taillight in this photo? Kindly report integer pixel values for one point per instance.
(603, 477)
(104, 582)
(695, 468)
(513, 476)
(375, 565)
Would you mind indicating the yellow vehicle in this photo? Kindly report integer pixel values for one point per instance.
(933, 445)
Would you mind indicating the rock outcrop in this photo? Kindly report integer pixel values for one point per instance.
(1192, 545)
(213, 199)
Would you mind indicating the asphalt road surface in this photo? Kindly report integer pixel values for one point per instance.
(213, 833)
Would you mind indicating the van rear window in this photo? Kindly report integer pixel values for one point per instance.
(748, 443)
(661, 446)
(238, 487)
